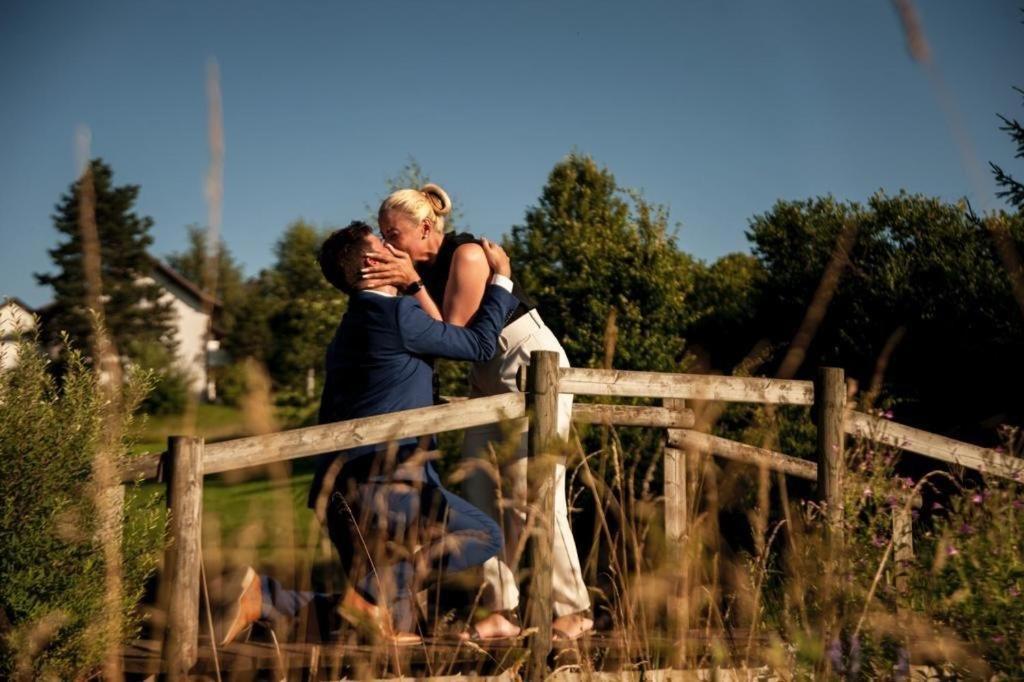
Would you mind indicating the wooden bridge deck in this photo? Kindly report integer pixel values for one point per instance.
(435, 658)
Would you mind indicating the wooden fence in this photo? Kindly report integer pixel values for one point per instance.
(188, 459)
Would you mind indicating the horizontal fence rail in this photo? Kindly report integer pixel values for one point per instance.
(612, 382)
(241, 453)
(315, 440)
(741, 452)
(188, 459)
(934, 446)
(631, 415)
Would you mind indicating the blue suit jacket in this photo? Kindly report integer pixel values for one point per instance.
(381, 358)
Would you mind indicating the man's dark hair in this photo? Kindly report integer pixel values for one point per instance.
(341, 255)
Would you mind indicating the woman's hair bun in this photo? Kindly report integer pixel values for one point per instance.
(438, 198)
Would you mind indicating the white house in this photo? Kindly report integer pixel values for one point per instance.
(16, 318)
(193, 314)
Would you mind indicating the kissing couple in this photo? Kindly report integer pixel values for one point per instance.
(417, 293)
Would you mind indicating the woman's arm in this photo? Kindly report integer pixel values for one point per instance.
(394, 267)
(467, 281)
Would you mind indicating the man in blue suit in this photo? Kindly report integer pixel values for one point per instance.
(384, 507)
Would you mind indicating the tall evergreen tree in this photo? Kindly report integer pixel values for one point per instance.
(1012, 189)
(133, 313)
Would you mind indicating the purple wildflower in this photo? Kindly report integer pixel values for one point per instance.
(835, 656)
(952, 551)
(1014, 591)
(1017, 504)
(977, 498)
(966, 529)
(902, 667)
(887, 414)
(878, 541)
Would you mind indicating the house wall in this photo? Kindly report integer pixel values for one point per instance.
(13, 320)
(190, 322)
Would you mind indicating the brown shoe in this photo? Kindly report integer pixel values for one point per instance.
(373, 622)
(246, 608)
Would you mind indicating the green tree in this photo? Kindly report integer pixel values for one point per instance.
(230, 282)
(1012, 190)
(304, 309)
(132, 309)
(413, 176)
(250, 335)
(919, 265)
(725, 300)
(590, 251)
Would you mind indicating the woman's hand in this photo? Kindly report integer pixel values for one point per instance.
(496, 258)
(389, 267)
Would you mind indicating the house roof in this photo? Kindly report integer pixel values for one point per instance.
(18, 302)
(183, 282)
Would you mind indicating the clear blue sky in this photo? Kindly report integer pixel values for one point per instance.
(716, 109)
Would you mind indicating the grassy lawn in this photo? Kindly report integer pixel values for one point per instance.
(213, 422)
(252, 515)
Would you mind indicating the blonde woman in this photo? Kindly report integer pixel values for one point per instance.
(448, 275)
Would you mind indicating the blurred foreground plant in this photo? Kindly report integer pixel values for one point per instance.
(51, 563)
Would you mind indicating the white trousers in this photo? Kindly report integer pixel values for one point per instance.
(569, 592)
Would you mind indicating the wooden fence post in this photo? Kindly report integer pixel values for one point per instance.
(903, 546)
(677, 532)
(542, 397)
(830, 405)
(676, 502)
(183, 466)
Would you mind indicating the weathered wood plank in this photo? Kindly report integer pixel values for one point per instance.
(903, 546)
(934, 446)
(741, 452)
(542, 385)
(686, 386)
(145, 466)
(677, 530)
(313, 440)
(632, 415)
(185, 500)
(830, 404)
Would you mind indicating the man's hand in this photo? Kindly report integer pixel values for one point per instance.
(496, 258)
(389, 267)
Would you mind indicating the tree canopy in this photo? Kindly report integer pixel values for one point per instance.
(589, 252)
(133, 313)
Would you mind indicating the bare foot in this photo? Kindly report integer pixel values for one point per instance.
(494, 626)
(247, 608)
(573, 626)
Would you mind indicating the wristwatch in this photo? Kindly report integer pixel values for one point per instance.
(414, 288)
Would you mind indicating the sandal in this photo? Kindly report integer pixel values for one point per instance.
(560, 636)
(473, 634)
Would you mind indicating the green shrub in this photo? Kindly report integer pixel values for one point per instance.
(170, 385)
(972, 577)
(52, 567)
(231, 383)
